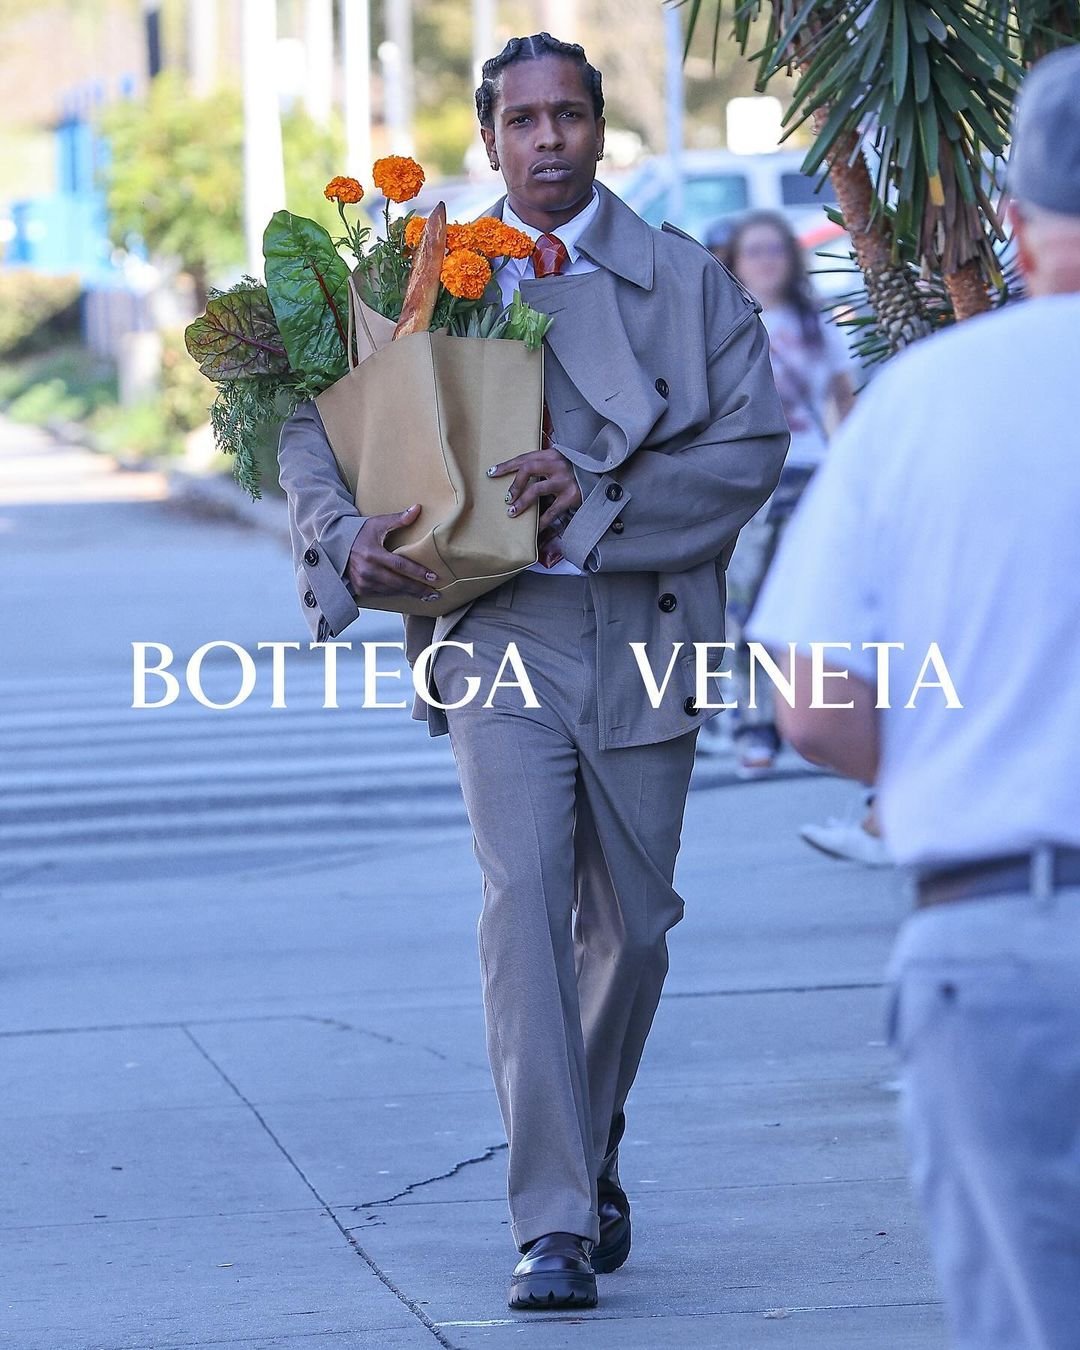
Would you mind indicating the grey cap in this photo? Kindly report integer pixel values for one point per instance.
(1044, 162)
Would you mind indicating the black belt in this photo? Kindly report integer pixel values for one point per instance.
(1038, 873)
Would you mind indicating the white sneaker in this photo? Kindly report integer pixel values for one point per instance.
(756, 756)
(848, 840)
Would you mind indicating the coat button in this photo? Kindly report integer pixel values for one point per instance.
(667, 602)
(309, 599)
(690, 707)
(614, 492)
(662, 387)
(617, 525)
(311, 557)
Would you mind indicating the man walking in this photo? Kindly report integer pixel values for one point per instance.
(965, 531)
(663, 434)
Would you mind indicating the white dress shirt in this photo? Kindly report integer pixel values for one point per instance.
(510, 275)
(947, 511)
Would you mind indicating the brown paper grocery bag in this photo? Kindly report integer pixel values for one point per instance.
(420, 419)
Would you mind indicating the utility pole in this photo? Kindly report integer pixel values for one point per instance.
(203, 46)
(483, 30)
(264, 164)
(356, 49)
(318, 59)
(398, 66)
(673, 42)
(560, 19)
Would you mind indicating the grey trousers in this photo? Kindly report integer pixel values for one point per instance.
(577, 849)
(985, 1015)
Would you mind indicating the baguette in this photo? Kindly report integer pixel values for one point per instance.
(423, 289)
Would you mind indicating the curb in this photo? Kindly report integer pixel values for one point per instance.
(219, 496)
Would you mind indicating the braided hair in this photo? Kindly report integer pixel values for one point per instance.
(531, 49)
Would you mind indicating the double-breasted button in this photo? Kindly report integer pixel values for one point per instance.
(662, 387)
(617, 525)
(311, 557)
(667, 602)
(690, 707)
(614, 492)
(309, 599)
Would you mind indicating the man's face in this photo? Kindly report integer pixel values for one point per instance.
(545, 140)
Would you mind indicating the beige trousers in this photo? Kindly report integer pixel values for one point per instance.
(577, 847)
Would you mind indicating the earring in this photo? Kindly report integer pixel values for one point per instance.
(600, 154)
(495, 164)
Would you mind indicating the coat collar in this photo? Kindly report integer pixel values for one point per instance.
(616, 238)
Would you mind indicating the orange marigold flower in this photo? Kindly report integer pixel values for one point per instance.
(494, 239)
(398, 177)
(414, 228)
(346, 190)
(466, 274)
(461, 236)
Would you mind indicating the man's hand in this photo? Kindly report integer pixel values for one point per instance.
(548, 477)
(372, 568)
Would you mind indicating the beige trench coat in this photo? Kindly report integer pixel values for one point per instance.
(661, 393)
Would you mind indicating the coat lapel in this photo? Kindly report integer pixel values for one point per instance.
(589, 336)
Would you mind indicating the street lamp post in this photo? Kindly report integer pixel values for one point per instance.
(264, 165)
(673, 42)
(318, 59)
(356, 52)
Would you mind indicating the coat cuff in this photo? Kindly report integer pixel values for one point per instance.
(324, 564)
(592, 520)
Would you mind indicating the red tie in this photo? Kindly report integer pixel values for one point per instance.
(549, 257)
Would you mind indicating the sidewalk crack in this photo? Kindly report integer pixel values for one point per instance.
(413, 1186)
(368, 1260)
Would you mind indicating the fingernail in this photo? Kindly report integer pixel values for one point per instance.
(511, 511)
(492, 469)
(509, 496)
(434, 595)
(430, 576)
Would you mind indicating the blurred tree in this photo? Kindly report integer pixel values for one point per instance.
(172, 180)
(910, 101)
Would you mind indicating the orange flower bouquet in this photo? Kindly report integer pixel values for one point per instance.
(267, 345)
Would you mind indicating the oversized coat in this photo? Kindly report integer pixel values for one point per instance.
(661, 393)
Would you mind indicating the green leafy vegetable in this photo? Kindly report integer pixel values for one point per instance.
(238, 335)
(307, 281)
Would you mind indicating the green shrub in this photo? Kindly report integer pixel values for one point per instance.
(66, 385)
(136, 432)
(186, 393)
(36, 311)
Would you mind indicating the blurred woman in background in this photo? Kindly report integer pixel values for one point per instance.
(812, 371)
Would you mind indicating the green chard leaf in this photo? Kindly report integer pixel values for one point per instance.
(307, 281)
(238, 336)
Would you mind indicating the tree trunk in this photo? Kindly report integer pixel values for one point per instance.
(967, 292)
(890, 286)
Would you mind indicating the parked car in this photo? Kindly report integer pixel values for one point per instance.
(719, 186)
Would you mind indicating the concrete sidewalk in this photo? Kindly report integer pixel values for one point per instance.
(244, 1099)
(255, 1111)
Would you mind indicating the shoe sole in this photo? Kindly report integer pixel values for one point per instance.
(538, 1293)
(609, 1258)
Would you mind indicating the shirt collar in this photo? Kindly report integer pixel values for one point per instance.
(615, 237)
(569, 232)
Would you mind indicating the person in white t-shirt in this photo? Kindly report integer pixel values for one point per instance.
(813, 378)
(948, 513)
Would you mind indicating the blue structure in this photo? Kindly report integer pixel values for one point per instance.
(67, 231)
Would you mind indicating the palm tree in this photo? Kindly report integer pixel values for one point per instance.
(910, 102)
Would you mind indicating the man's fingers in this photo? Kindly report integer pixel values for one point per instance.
(518, 486)
(510, 465)
(554, 518)
(405, 567)
(563, 492)
(378, 579)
